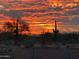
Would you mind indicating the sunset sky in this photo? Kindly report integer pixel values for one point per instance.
(40, 14)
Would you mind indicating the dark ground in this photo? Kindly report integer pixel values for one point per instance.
(41, 53)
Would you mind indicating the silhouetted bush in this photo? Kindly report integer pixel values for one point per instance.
(43, 38)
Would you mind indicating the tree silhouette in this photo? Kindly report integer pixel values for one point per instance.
(8, 26)
(24, 27)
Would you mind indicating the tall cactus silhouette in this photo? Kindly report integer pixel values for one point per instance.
(55, 31)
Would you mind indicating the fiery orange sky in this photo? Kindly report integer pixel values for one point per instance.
(40, 14)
